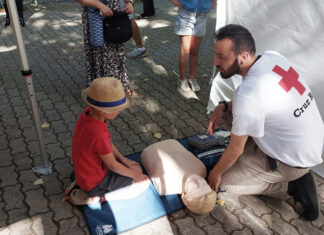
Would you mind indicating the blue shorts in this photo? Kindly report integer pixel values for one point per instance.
(191, 23)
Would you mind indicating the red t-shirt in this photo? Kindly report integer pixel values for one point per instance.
(90, 140)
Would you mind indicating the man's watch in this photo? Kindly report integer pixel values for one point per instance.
(225, 105)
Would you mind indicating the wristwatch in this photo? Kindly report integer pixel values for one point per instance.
(225, 105)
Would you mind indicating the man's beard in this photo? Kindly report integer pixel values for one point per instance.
(234, 69)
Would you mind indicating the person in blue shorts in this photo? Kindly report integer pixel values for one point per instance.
(191, 28)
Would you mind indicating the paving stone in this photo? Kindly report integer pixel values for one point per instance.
(17, 145)
(12, 197)
(229, 221)
(260, 207)
(3, 142)
(276, 223)
(52, 184)
(22, 161)
(232, 201)
(17, 215)
(70, 226)
(37, 202)
(27, 178)
(186, 226)
(29, 134)
(245, 231)
(59, 126)
(62, 210)
(55, 151)
(286, 211)
(63, 167)
(5, 160)
(306, 227)
(3, 216)
(214, 229)
(8, 176)
(52, 115)
(65, 138)
(247, 218)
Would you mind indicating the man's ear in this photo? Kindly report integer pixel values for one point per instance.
(242, 57)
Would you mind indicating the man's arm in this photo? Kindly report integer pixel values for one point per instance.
(233, 151)
(217, 116)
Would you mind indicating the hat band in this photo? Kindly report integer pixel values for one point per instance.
(106, 104)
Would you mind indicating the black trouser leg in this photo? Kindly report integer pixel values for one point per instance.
(20, 8)
(6, 9)
(19, 4)
(148, 8)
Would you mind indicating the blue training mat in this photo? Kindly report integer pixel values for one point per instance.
(121, 215)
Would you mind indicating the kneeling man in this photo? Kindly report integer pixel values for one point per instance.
(277, 131)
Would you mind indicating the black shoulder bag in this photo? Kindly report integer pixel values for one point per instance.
(117, 28)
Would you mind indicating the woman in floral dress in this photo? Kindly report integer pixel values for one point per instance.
(109, 60)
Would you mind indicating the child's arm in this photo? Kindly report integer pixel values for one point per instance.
(176, 3)
(122, 159)
(117, 167)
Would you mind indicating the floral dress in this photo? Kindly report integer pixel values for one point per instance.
(107, 61)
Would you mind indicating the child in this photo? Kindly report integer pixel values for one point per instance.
(191, 28)
(98, 165)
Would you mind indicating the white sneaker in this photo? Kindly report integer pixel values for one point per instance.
(137, 53)
(194, 84)
(183, 85)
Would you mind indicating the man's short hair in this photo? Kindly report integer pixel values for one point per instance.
(241, 37)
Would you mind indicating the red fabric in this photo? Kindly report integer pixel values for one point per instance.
(91, 139)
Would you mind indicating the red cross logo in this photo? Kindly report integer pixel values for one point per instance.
(289, 79)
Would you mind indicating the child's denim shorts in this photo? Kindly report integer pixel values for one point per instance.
(191, 23)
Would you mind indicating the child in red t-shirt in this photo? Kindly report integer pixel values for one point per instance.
(98, 165)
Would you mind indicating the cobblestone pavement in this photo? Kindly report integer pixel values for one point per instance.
(53, 40)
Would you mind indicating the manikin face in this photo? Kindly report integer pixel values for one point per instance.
(225, 59)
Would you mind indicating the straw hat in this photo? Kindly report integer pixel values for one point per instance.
(198, 197)
(107, 95)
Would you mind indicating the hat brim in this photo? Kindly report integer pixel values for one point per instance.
(118, 108)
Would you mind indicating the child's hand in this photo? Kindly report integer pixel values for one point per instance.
(138, 177)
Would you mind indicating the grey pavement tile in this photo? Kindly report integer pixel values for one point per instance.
(13, 197)
(8, 176)
(36, 202)
(276, 223)
(187, 226)
(70, 226)
(27, 179)
(229, 221)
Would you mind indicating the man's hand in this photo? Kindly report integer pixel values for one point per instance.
(215, 119)
(214, 180)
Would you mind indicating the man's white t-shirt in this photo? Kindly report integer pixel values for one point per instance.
(276, 107)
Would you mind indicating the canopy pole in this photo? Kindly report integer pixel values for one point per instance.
(46, 168)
